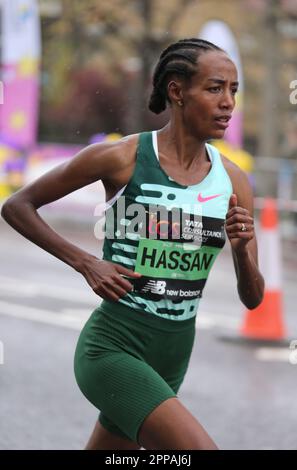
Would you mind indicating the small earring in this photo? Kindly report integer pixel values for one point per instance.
(180, 103)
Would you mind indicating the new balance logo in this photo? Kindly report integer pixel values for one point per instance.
(155, 287)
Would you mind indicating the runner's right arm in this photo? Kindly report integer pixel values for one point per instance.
(98, 161)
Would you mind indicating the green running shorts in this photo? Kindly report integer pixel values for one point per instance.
(127, 362)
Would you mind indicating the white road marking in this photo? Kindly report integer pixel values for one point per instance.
(30, 289)
(8, 287)
(83, 313)
(76, 318)
(49, 317)
(206, 320)
(21, 288)
(273, 354)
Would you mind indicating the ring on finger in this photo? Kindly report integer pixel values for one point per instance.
(243, 227)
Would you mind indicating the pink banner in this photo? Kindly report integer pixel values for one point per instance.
(234, 132)
(19, 113)
(20, 56)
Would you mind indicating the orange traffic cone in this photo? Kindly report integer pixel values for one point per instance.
(266, 321)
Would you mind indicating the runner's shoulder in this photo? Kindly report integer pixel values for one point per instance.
(116, 155)
(237, 175)
(105, 159)
(240, 183)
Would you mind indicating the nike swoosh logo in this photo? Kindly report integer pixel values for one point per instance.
(208, 198)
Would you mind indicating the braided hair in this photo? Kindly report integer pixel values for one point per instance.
(180, 58)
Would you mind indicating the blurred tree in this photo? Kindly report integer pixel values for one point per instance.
(120, 39)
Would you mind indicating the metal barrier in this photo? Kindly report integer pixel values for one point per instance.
(277, 178)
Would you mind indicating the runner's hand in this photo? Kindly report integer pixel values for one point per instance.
(237, 218)
(107, 279)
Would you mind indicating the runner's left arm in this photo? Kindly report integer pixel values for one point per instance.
(250, 282)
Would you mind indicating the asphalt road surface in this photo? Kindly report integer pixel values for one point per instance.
(244, 395)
